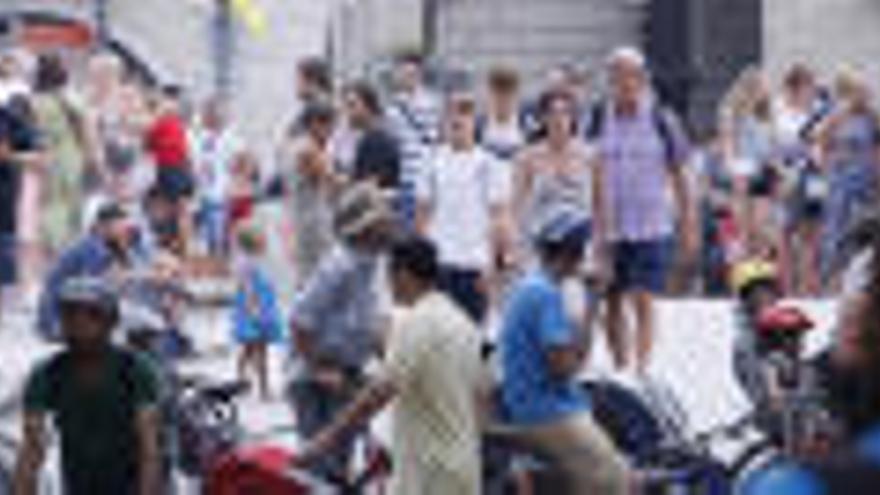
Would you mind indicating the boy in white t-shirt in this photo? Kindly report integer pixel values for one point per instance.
(462, 199)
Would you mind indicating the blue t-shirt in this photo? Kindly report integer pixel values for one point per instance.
(535, 321)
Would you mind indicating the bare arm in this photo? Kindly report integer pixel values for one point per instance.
(30, 159)
(32, 454)
(687, 211)
(423, 217)
(367, 403)
(502, 230)
(601, 209)
(564, 361)
(522, 178)
(147, 427)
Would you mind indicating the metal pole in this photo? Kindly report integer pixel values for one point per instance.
(101, 20)
(223, 47)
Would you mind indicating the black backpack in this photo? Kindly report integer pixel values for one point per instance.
(661, 116)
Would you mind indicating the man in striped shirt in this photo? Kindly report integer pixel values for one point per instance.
(414, 117)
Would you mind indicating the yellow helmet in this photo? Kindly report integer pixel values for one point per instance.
(750, 272)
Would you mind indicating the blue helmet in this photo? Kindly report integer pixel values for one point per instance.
(785, 478)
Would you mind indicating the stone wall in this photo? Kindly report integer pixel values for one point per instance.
(827, 34)
(173, 36)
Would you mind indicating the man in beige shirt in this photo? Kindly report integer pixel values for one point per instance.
(433, 375)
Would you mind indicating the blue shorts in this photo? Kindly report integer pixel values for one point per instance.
(8, 268)
(175, 182)
(641, 265)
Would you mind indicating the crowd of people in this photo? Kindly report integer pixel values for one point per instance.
(483, 194)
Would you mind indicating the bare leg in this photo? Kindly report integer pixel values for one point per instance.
(244, 362)
(261, 361)
(591, 313)
(615, 330)
(643, 303)
(810, 259)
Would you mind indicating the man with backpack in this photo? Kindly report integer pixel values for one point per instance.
(641, 147)
(462, 197)
(101, 399)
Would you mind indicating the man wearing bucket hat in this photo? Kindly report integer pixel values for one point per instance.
(337, 316)
(107, 245)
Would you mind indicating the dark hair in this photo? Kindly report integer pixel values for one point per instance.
(410, 57)
(569, 247)
(503, 78)
(51, 73)
(316, 71)
(549, 98)
(367, 94)
(316, 112)
(545, 103)
(798, 76)
(415, 255)
(110, 212)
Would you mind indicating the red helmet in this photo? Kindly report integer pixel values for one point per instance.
(783, 321)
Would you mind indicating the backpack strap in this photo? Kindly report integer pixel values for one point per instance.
(660, 115)
(596, 124)
(424, 134)
(663, 125)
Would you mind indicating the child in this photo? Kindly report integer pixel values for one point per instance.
(769, 344)
(242, 190)
(257, 321)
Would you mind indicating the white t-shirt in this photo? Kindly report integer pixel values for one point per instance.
(213, 154)
(788, 123)
(460, 188)
(433, 359)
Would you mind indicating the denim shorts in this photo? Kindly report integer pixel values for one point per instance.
(175, 182)
(641, 265)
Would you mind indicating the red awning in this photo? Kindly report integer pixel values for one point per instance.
(47, 36)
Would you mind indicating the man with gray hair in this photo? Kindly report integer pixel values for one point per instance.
(336, 320)
(642, 147)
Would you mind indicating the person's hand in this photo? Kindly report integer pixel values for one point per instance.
(331, 379)
(307, 455)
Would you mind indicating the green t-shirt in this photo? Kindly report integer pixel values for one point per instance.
(96, 422)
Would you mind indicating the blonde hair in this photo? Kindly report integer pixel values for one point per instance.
(745, 95)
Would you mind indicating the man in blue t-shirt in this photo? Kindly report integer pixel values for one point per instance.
(541, 358)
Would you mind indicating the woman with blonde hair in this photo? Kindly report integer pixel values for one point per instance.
(746, 124)
(849, 144)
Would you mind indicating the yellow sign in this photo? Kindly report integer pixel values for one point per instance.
(251, 15)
